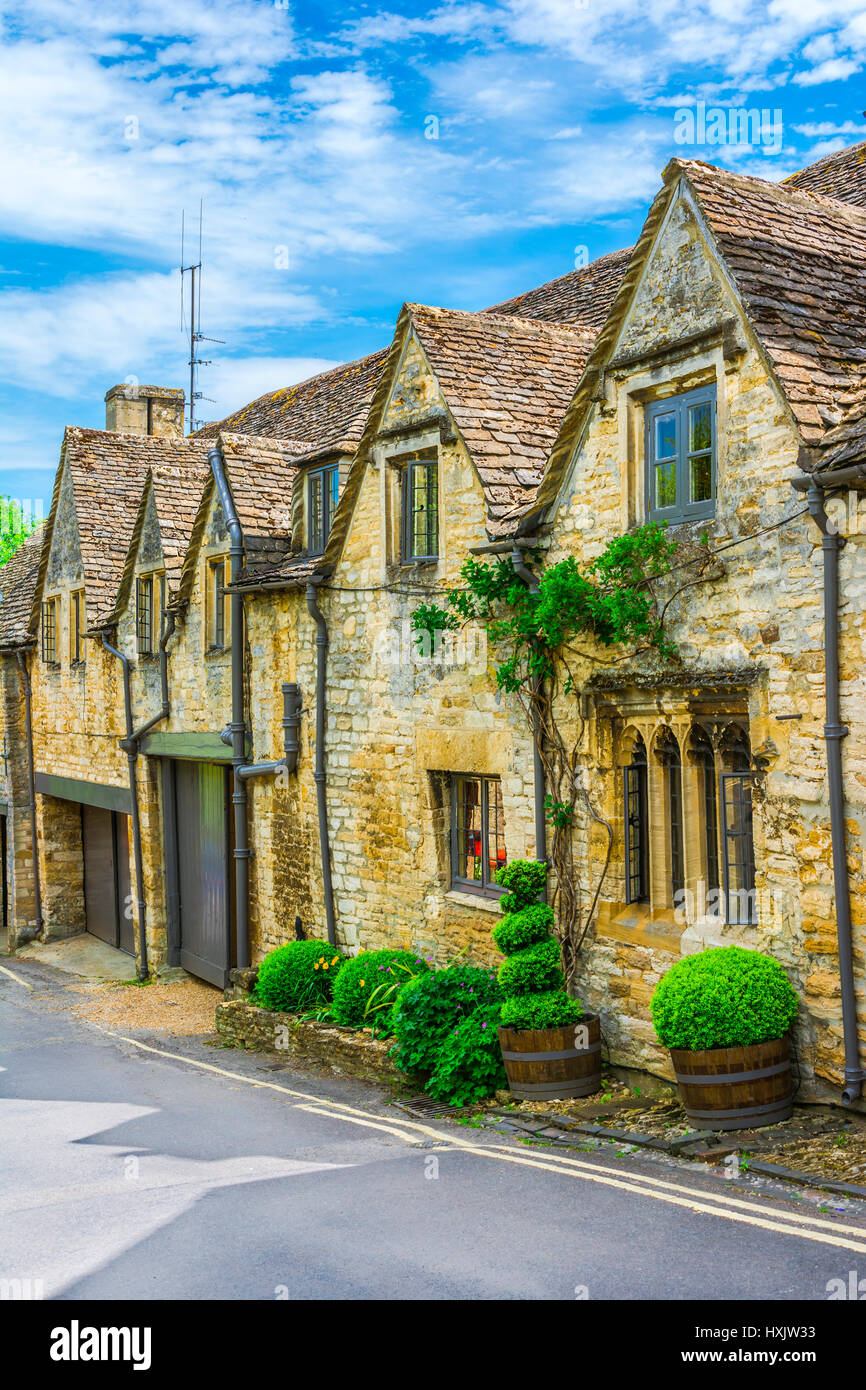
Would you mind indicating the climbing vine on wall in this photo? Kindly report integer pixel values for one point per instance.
(535, 626)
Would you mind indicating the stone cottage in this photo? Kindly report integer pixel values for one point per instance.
(235, 739)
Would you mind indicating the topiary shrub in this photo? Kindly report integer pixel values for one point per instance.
(367, 987)
(552, 1009)
(469, 1062)
(523, 928)
(531, 977)
(532, 971)
(430, 1008)
(724, 997)
(298, 975)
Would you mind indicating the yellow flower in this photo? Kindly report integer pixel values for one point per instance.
(334, 961)
(316, 966)
(325, 966)
(362, 984)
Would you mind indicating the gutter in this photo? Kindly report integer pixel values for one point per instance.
(130, 746)
(815, 486)
(31, 780)
(531, 581)
(320, 776)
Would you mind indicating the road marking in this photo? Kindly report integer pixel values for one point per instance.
(708, 1202)
(354, 1120)
(16, 978)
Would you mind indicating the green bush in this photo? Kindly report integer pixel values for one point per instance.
(724, 997)
(551, 1009)
(469, 1062)
(368, 984)
(430, 1007)
(532, 971)
(517, 930)
(298, 975)
(524, 879)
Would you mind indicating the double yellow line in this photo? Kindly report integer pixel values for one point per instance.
(749, 1213)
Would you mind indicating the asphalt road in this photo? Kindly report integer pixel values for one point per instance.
(128, 1173)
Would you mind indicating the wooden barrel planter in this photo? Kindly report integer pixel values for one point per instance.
(545, 1063)
(736, 1087)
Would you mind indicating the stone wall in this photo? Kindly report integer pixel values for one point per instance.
(324, 1047)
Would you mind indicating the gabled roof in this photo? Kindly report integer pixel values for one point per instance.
(581, 297)
(507, 382)
(260, 473)
(797, 262)
(326, 411)
(841, 175)
(18, 580)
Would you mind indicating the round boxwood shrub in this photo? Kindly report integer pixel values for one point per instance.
(430, 1007)
(552, 1009)
(469, 1059)
(524, 880)
(517, 930)
(298, 975)
(724, 997)
(533, 970)
(368, 984)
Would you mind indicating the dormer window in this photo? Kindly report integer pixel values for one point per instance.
(681, 456)
(144, 614)
(420, 510)
(49, 631)
(323, 490)
(217, 605)
(77, 627)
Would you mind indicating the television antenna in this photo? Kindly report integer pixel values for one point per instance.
(195, 334)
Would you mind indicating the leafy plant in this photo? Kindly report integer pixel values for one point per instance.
(523, 928)
(299, 975)
(524, 880)
(724, 997)
(550, 1009)
(532, 970)
(430, 1008)
(469, 1059)
(15, 530)
(368, 984)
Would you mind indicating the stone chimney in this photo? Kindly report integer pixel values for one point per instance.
(134, 409)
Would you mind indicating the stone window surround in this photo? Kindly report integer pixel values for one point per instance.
(210, 561)
(395, 453)
(79, 660)
(55, 601)
(681, 717)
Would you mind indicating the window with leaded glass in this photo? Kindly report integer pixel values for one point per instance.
(77, 627)
(706, 763)
(636, 826)
(420, 510)
(477, 834)
(323, 491)
(49, 631)
(681, 456)
(144, 614)
(669, 755)
(738, 841)
(218, 604)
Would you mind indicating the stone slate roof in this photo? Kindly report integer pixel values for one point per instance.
(841, 175)
(507, 382)
(582, 297)
(18, 580)
(327, 411)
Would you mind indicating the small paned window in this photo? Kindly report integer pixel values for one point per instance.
(636, 827)
(706, 763)
(49, 631)
(420, 510)
(477, 834)
(669, 756)
(323, 491)
(681, 456)
(218, 602)
(738, 839)
(144, 614)
(77, 628)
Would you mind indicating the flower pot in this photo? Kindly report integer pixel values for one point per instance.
(736, 1087)
(553, 1063)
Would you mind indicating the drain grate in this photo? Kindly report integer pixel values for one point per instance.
(426, 1108)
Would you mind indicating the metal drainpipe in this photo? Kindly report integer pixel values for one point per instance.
(169, 621)
(291, 741)
(319, 774)
(238, 721)
(531, 580)
(130, 747)
(31, 779)
(834, 731)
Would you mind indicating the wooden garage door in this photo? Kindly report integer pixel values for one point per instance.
(203, 869)
(107, 899)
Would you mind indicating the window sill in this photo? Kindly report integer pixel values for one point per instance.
(472, 900)
(638, 925)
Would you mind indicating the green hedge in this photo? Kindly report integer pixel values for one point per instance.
(552, 1009)
(532, 971)
(517, 930)
(298, 975)
(531, 976)
(431, 1007)
(724, 997)
(368, 984)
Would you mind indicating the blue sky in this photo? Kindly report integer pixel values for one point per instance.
(305, 129)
